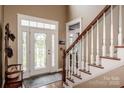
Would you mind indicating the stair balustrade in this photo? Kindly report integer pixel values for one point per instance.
(80, 56)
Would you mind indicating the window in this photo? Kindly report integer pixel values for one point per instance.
(37, 24)
(33, 24)
(53, 27)
(24, 22)
(40, 25)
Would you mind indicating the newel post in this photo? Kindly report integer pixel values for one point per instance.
(64, 67)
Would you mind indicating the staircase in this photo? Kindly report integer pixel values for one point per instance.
(101, 48)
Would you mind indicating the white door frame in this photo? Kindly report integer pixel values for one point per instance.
(21, 16)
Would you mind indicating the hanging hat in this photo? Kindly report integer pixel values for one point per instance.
(12, 37)
(9, 52)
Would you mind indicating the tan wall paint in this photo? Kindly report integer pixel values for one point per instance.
(0, 13)
(0, 47)
(87, 12)
(112, 79)
(55, 12)
(1, 26)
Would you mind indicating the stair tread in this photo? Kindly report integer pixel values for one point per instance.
(97, 66)
(77, 76)
(71, 80)
(113, 58)
(86, 72)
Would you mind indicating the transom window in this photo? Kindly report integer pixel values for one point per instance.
(38, 24)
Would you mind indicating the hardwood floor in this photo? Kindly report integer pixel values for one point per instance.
(53, 80)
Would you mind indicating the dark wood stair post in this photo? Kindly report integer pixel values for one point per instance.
(64, 68)
(64, 71)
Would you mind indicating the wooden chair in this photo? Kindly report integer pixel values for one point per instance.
(14, 76)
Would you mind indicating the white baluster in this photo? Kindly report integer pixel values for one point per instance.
(111, 39)
(104, 37)
(82, 50)
(97, 50)
(87, 54)
(67, 66)
(92, 50)
(120, 26)
(73, 60)
(80, 56)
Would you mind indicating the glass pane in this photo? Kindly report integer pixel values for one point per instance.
(70, 40)
(24, 22)
(53, 51)
(24, 50)
(40, 50)
(40, 25)
(47, 26)
(53, 27)
(32, 24)
(71, 36)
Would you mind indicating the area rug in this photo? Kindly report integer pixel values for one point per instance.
(42, 80)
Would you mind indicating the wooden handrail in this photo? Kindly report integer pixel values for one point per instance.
(88, 27)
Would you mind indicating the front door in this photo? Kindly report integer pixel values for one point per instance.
(42, 51)
(37, 49)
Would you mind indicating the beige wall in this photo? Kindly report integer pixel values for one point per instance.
(55, 12)
(87, 12)
(1, 25)
(112, 79)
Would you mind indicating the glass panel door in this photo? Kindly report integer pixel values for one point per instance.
(37, 45)
(39, 50)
